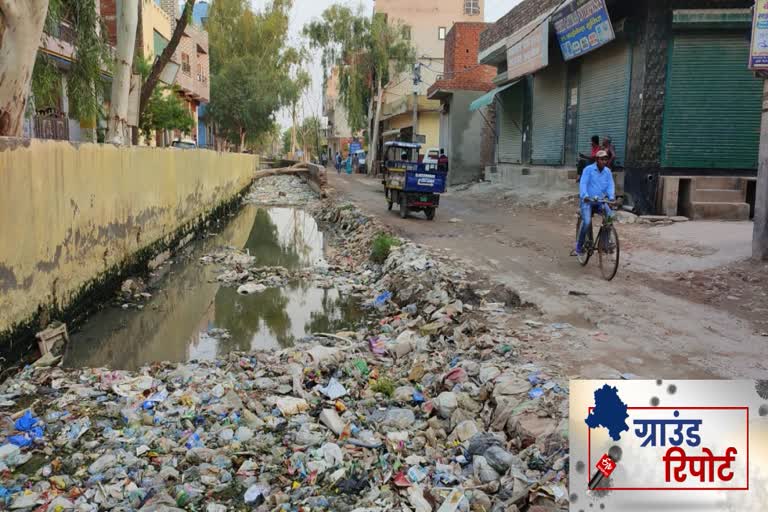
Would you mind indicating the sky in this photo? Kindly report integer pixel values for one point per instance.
(305, 11)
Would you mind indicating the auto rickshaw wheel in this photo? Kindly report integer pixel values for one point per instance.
(430, 213)
(403, 206)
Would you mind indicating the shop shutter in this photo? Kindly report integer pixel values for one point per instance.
(548, 137)
(712, 105)
(510, 107)
(604, 97)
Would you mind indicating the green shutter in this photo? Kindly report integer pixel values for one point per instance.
(604, 96)
(159, 43)
(548, 121)
(510, 109)
(712, 105)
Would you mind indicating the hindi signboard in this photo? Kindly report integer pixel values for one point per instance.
(527, 50)
(645, 440)
(758, 51)
(582, 26)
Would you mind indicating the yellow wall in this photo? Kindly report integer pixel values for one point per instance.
(70, 212)
(153, 18)
(429, 125)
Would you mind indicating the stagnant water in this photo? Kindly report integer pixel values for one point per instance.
(188, 302)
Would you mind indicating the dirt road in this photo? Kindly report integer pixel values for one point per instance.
(662, 317)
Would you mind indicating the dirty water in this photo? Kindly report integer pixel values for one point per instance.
(188, 303)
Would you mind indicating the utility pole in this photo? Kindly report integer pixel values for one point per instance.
(760, 233)
(416, 82)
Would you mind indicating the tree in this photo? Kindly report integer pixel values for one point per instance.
(21, 29)
(21, 26)
(366, 51)
(127, 21)
(148, 87)
(253, 73)
(310, 136)
(165, 111)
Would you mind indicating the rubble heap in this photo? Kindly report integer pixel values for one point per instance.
(428, 408)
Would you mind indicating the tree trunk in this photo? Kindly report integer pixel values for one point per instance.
(242, 140)
(21, 27)
(368, 161)
(293, 130)
(165, 57)
(376, 120)
(127, 21)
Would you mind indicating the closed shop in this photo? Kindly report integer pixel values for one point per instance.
(712, 104)
(604, 96)
(510, 121)
(548, 114)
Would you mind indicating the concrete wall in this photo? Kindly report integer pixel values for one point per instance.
(153, 18)
(466, 139)
(72, 214)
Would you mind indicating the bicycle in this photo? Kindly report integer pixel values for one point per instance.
(608, 248)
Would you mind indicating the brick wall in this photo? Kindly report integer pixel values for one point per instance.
(108, 11)
(461, 69)
(172, 8)
(524, 13)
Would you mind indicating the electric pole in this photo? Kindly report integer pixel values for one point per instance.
(416, 82)
(760, 233)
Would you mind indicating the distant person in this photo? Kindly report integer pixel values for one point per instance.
(585, 160)
(608, 148)
(595, 148)
(338, 162)
(442, 161)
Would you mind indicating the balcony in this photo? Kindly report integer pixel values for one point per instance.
(405, 105)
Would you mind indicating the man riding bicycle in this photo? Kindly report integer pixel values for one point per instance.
(596, 181)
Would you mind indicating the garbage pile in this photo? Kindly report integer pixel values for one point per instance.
(280, 190)
(429, 408)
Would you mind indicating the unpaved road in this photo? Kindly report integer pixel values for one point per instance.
(657, 319)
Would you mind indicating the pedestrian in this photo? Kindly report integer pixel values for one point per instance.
(338, 163)
(442, 161)
(585, 160)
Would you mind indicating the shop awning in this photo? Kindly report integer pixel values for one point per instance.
(487, 99)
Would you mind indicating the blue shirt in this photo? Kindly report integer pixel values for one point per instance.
(596, 183)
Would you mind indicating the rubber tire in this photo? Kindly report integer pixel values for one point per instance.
(430, 213)
(608, 273)
(403, 206)
(583, 261)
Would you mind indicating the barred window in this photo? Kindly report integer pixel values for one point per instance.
(472, 7)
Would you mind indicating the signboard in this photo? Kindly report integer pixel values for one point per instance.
(421, 139)
(758, 51)
(582, 26)
(355, 146)
(527, 50)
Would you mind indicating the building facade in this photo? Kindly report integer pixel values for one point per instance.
(463, 131)
(338, 132)
(193, 78)
(666, 81)
(426, 23)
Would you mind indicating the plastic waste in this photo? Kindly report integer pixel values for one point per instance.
(333, 390)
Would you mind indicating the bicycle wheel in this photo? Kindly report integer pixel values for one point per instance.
(583, 258)
(608, 251)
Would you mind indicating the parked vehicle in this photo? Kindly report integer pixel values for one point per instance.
(414, 185)
(184, 144)
(359, 161)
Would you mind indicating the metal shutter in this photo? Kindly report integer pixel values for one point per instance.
(712, 105)
(510, 107)
(604, 97)
(548, 137)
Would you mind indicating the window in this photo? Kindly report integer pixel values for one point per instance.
(441, 33)
(185, 67)
(406, 32)
(472, 7)
(159, 43)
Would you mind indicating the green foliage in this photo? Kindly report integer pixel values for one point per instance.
(385, 386)
(381, 247)
(253, 72)
(365, 49)
(85, 82)
(46, 82)
(287, 141)
(165, 111)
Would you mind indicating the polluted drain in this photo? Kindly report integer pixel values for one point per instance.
(192, 316)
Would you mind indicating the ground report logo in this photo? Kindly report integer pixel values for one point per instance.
(668, 445)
